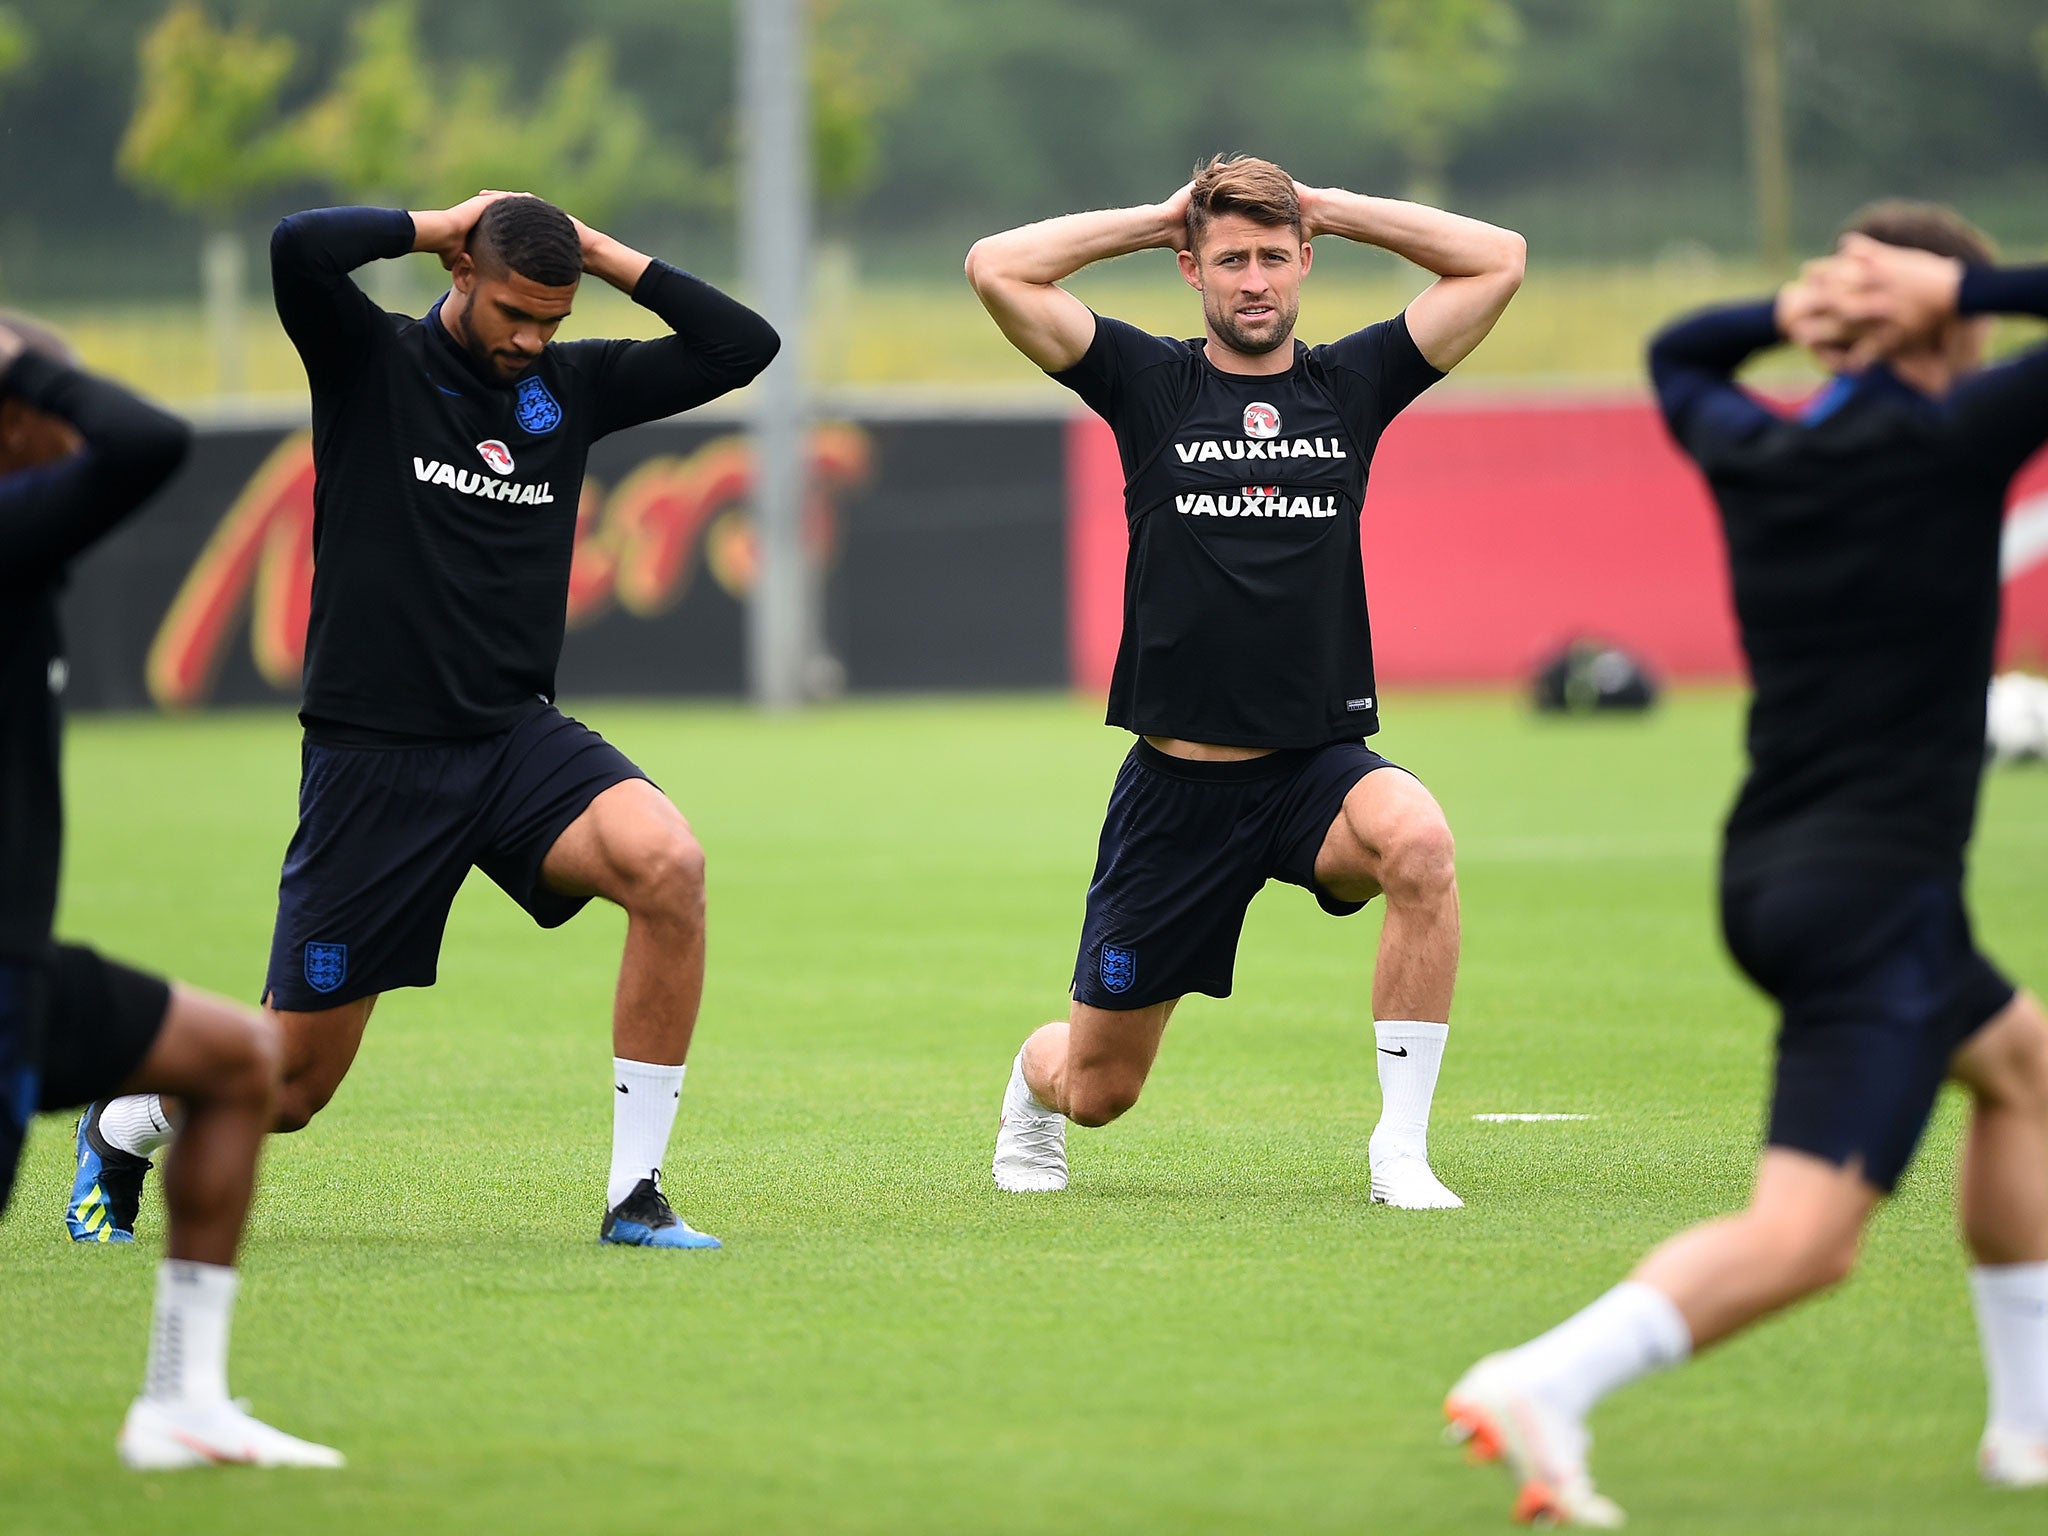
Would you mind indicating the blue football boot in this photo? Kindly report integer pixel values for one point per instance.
(645, 1219)
(108, 1188)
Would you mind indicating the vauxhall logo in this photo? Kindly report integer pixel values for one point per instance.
(471, 482)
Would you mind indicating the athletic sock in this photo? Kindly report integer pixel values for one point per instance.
(643, 1113)
(188, 1337)
(1410, 1051)
(135, 1123)
(2012, 1325)
(1630, 1332)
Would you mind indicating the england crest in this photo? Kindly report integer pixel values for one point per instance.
(326, 966)
(1118, 967)
(537, 411)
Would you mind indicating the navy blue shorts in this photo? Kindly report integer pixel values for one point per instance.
(72, 1029)
(1185, 848)
(1879, 982)
(387, 835)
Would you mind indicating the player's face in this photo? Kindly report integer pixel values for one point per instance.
(29, 437)
(504, 320)
(1250, 278)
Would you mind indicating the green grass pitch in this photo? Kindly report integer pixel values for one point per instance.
(1213, 1330)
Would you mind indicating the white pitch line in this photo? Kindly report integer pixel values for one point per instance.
(1504, 1118)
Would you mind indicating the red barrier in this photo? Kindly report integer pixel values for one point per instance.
(1494, 532)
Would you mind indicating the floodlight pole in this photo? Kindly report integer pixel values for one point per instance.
(775, 243)
(1770, 158)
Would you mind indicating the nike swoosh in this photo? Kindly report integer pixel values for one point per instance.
(620, 1086)
(1403, 1051)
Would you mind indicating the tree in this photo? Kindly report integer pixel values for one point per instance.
(1436, 70)
(387, 131)
(206, 137)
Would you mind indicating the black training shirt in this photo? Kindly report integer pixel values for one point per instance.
(1244, 592)
(1863, 539)
(445, 499)
(48, 517)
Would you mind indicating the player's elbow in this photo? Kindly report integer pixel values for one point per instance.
(982, 273)
(1513, 259)
(162, 446)
(762, 346)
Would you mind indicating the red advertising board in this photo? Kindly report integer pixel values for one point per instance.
(1493, 532)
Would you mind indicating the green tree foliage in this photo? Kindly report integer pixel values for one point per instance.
(16, 43)
(206, 133)
(860, 69)
(391, 130)
(1436, 70)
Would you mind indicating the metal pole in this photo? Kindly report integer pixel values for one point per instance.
(1770, 159)
(776, 239)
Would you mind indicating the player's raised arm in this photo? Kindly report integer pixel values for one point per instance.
(99, 450)
(1478, 265)
(719, 344)
(1904, 295)
(1017, 273)
(311, 255)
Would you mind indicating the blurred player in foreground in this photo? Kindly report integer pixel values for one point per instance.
(78, 456)
(448, 454)
(1246, 665)
(1864, 539)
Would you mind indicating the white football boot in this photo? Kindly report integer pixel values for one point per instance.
(2007, 1458)
(1404, 1181)
(169, 1437)
(1031, 1145)
(1543, 1450)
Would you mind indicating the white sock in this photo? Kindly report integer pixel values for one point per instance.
(1630, 1332)
(1410, 1051)
(135, 1123)
(2012, 1325)
(643, 1112)
(188, 1337)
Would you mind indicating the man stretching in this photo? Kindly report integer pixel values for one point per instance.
(448, 453)
(1864, 540)
(79, 456)
(1246, 664)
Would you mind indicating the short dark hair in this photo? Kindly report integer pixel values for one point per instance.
(1922, 226)
(530, 236)
(1242, 184)
(39, 338)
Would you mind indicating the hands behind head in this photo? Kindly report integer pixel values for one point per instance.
(460, 220)
(1174, 211)
(1868, 301)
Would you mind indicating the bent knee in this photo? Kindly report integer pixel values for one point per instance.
(1097, 1102)
(667, 871)
(298, 1102)
(1419, 859)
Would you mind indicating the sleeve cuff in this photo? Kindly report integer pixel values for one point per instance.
(2003, 291)
(659, 275)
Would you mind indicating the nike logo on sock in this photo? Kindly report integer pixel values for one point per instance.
(1402, 1051)
(620, 1086)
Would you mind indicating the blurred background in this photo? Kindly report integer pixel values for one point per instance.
(957, 523)
(1621, 138)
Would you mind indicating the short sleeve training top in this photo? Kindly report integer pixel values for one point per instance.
(1245, 619)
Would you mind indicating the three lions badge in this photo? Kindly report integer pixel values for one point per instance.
(537, 410)
(326, 966)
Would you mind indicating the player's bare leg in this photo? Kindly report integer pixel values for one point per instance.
(1089, 1069)
(633, 848)
(319, 1048)
(1391, 839)
(1527, 1407)
(117, 1139)
(222, 1060)
(2003, 1207)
